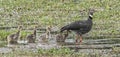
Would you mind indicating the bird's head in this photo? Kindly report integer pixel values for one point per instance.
(48, 28)
(20, 27)
(91, 11)
(35, 27)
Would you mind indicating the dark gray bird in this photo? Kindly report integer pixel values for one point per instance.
(80, 27)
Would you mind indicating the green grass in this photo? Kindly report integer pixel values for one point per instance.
(54, 51)
(46, 12)
(57, 13)
(3, 43)
(62, 52)
(116, 50)
(41, 52)
(106, 20)
(3, 34)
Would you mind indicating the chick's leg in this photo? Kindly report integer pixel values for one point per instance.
(80, 39)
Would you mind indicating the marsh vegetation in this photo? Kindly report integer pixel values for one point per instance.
(56, 13)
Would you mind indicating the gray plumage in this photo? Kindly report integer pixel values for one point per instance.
(32, 37)
(12, 38)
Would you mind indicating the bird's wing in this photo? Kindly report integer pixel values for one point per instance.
(14, 36)
(29, 36)
(77, 25)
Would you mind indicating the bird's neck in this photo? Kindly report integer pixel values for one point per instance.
(34, 32)
(18, 33)
(90, 17)
(48, 34)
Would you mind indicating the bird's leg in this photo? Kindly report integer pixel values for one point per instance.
(77, 37)
(80, 39)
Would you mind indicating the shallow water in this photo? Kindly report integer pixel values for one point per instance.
(87, 46)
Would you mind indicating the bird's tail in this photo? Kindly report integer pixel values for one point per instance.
(62, 29)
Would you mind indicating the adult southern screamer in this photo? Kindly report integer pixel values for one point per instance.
(80, 27)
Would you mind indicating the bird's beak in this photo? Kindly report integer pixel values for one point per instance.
(92, 10)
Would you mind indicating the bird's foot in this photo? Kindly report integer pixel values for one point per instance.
(77, 43)
(80, 41)
(76, 49)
